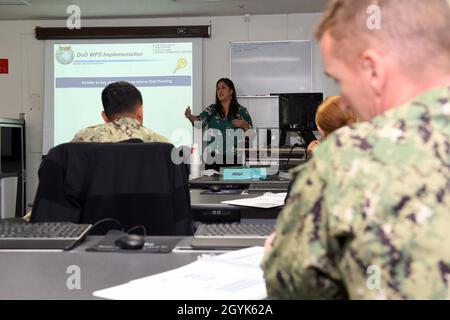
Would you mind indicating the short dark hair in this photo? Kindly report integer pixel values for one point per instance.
(120, 97)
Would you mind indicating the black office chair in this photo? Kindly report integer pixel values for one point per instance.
(134, 183)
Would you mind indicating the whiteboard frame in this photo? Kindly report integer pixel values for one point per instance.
(270, 41)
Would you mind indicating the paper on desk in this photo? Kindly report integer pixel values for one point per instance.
(268, 200)
(209, 172)
(231, 276)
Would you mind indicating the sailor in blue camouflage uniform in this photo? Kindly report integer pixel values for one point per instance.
(369, 216)
(123, 115)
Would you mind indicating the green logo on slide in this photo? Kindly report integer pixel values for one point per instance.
(65, 55)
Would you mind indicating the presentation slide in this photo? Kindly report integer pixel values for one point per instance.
(162, 71)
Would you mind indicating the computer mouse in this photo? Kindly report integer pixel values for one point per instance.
(215, 188)
(130, 242)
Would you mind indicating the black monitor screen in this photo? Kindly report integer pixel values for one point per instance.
(298, 110)
(11, 149)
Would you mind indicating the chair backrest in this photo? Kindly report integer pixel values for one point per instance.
(134, 183)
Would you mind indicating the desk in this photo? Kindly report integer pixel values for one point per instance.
(210, 202)
(43, 275)
(218, 180)
(275, 156)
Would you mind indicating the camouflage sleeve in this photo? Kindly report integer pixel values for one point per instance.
(80, 136)
(76, 138)
(148, 135)
(160, 138)
(299, 265)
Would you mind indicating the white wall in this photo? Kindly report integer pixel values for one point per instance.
(22, 89)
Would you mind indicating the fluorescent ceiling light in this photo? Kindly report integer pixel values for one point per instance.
(204, 0)
(14, 3)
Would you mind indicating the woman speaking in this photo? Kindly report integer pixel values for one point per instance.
(225, 116)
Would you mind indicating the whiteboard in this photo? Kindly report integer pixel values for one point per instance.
(260, 68)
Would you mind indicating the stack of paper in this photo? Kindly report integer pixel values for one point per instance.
(268, 200)
(231, 276)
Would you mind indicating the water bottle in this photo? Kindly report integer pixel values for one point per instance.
(195, 162)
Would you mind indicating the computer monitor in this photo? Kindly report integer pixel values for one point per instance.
(12, 168)
(11, 148)
(297, 112)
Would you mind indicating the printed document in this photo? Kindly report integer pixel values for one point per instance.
(268, 200)
(234, 275)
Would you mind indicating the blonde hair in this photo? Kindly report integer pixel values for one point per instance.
(330, 116)
(417, 32)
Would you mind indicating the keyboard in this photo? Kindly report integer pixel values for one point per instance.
(261, 187)
(230, 235)
(46, 235)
